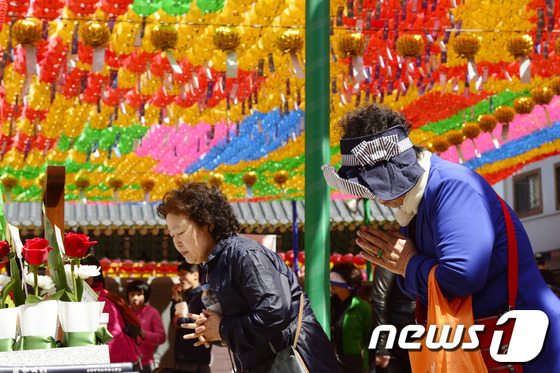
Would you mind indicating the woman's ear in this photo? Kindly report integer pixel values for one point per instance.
(211, 228)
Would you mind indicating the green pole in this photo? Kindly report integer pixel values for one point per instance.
(317, 153)
(367, 222)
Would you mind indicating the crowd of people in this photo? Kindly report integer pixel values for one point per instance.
(454, 228)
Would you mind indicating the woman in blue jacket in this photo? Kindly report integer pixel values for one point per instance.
(258, 293)
(449, 215)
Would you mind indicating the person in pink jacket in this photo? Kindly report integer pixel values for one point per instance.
(153, 332)
(122, 348)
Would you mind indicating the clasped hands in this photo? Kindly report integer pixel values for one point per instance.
(206, 327)
(391, 250)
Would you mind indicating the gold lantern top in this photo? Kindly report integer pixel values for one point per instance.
(215, 179)
(280, 177)
(249, 178)
(454, 137)
(542, 95)
(95, 34)
(555, 85)
(410, 45)
(466, 45)
(440, 144)
(520, 45)
(82, 181)
(9, 181)
(164, 37)
(290, 41)
(27, 31)
(470, 130)
(351, 44)
(148, 183)
(504, 114)
(523, 105)
(487, 122)
(226, 38)
(115, 182)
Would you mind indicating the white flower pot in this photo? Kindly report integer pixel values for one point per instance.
(8, 322)
(39, 319)
(80, 316)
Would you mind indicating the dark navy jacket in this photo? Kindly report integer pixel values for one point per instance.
(260, 296)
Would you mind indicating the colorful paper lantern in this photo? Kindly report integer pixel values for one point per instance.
(410, 45)
(351, 44)
(456, 138)
(440, 144)
(471, 131)
(115, 183)
(249, 179)
(96, 35)
(504, 115)
(280, 177)
(82, 182)
(227, 39)
(523, 105)
(216, 179)
(467, 45)
(28, 32)
(487, 123)
(543, 96)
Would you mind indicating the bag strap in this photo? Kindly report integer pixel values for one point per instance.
(512, 256)
(300, 316)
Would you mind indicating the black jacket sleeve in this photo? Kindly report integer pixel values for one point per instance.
(383, 283)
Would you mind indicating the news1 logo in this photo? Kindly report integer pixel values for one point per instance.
(526, 342)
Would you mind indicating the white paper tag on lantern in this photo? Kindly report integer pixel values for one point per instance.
(443, 81)
(479, 83)
(98, 60)
(195, 80)
(472, 70)
(233, 92)
(207, 71)
(485, 75)
(525, 70)
(358, 67)
(296, 64)
(173, 62)
(31, 59)
(231, 64)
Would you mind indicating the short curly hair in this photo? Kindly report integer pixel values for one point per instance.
(369, 119)
(204, 205)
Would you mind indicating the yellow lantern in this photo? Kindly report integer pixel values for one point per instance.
(147, 184)
(249, 179)
(523, 105)
(504, 115)
(467, 46)
(487, 123)
(164, 37)
(521, 46)
(542, 96)
(9, 181)
(291, 41)
(456, 138)
(115, 183)
(227, 39)
(27, 32)
(471, 131)
(216, 179)
(96, 35)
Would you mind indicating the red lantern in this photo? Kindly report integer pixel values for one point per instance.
(348, 257)
(335, 258)
(290, 256)
(301, 257)
(282, 256)
(359, 260)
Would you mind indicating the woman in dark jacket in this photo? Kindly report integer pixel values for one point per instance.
(258, 293)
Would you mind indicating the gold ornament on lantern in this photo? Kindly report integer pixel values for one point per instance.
(504, 115)
(290, 41)
(456, 138)
(467, 46)
(410, 45)
(521, 46)
(164, 37)
(95, 34)
(147, 184)
(82, 182)
(9, 181)
(542, 96)
(27, 32)
(487, 123)
(216, 179)
(470, 130)
(280, 177)
(227, 39)
(351, 44)
(41, 180)
(115, 183)
(440, 144)
(180, 179)
(249, 179)
(523, 105)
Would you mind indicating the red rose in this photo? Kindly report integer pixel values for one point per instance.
(36, 250)
(77, 245)
(4, 248)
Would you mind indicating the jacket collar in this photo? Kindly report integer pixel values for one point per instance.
(216, 251)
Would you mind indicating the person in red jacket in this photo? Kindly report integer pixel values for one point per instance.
(152, 332)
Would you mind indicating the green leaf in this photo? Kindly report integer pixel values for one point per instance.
(71, 296)
(6, 291)
(32, 298)
(79, 288)
(55, 260)
(57, 295)
(19, 297)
